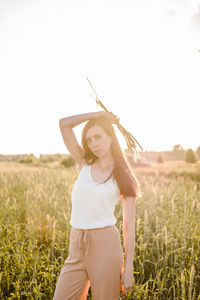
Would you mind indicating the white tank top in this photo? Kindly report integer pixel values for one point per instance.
(93, 204)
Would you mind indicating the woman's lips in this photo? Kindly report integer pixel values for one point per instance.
(97, 151)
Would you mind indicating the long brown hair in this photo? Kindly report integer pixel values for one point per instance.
(122, 172)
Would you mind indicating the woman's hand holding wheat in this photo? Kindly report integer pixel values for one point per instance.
(111, 116)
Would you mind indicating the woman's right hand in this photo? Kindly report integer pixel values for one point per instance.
(112, 117)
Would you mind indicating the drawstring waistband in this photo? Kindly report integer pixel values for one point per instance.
(84, 240)
(84, 237)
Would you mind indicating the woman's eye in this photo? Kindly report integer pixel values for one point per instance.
(97, 137)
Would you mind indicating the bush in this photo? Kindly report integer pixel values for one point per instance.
(190, 156)
(68, 162)
(198, 152)
(160, 158)
(45, 158)
(28, 159)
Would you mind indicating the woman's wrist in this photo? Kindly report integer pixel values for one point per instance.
(112, 117)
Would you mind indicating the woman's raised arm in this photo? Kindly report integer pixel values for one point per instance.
(75, 120)
(66, 127)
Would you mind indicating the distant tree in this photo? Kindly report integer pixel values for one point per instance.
(68, 162)
(28, 159)
(198, 152)
(190, 156)
(160, 158)
(177, 147)
(178, 152)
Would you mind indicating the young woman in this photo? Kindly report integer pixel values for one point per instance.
(95, 252)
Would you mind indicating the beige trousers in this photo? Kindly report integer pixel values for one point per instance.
(95, 259)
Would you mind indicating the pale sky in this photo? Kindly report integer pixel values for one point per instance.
(141, 57)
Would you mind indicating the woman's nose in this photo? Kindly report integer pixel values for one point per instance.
(94, 144)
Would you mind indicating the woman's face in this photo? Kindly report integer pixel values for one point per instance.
(98, 141)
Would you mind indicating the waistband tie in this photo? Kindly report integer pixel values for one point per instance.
(84, 240)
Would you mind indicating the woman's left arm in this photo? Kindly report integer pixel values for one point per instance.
(129, 230)
(129, 240)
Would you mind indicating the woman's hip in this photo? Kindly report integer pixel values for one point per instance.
(96, 241)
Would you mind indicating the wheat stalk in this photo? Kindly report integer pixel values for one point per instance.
(129, 138)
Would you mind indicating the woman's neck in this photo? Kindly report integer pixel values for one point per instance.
(103, 162)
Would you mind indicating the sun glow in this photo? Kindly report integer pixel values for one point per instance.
(141, 58)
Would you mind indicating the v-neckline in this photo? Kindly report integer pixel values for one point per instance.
(90, 171)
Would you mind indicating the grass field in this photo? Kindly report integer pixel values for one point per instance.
(34, 230)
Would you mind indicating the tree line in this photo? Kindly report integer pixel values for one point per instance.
(189, 155)
(176, 154)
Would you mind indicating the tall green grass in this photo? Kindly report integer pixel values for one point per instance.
(34, 233)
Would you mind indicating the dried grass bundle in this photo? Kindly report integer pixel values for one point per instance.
(131, 141)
